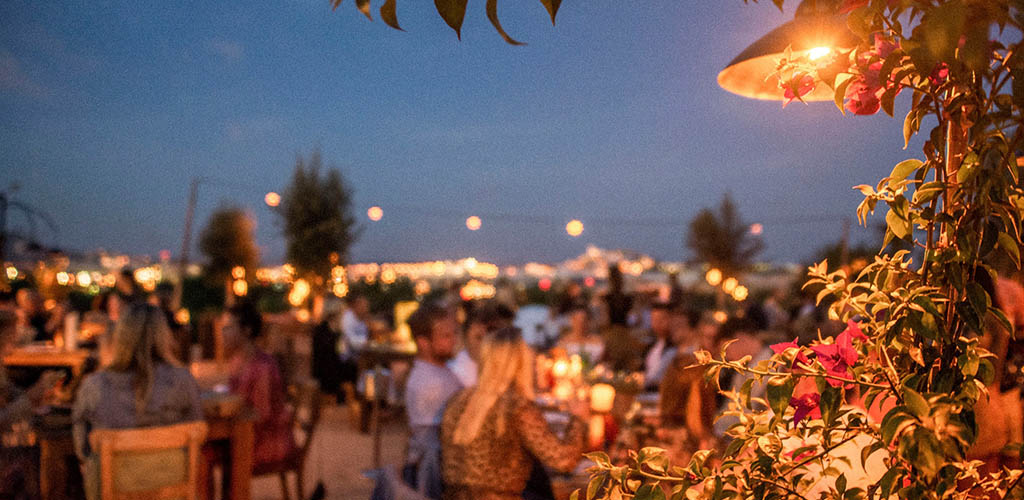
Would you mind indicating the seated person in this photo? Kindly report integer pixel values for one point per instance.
(490, 434)
(255, 377)
(484, 318)
(143, 386)
(663, 348)
(427, 390)
(18, 469)
(579, 339)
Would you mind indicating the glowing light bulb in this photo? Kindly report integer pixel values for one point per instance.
(818, 52)
(272, 199)
(473, 223)
(375, 213)
(740, 293)
(713, 277)
(756, 228)
(729, 285)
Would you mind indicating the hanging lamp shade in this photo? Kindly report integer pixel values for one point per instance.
(814, 30)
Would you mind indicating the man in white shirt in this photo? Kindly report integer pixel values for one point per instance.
(660, 353)
(431, 384)
(353, 324)
(484, 318)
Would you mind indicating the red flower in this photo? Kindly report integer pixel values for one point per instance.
(782, 347)
(854, 329)
(883, 46)
(939, 74)
(798, 87)
(837, 357)
(863, 99)
(805, 405)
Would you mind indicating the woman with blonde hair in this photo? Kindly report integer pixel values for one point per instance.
(491, 434)
(143, 386)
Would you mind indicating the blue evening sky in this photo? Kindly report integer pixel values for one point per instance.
(613, 117)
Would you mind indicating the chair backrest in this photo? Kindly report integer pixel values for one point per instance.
(305, 399)
(171, 452)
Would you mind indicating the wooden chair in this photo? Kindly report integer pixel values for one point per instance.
(305, 399)
(117, 448)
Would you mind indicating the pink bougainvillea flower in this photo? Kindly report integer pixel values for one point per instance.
(939, 74)
(782, 347)
(798, 87)
(837, 357)
(806, 404)
(883, 46)
(862, 99)
(855, 332)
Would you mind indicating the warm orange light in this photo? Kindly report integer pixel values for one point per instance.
(388, 276)
(713, 277)
(602, 398)
(818, 52)
(729, 285)
(756, 228)
(421, 287)
(272, 199)
(574, 228)
(473, 223)
(83, 278)
(238, 272)
(240, 288)
(182, 316)
(720, 316)
(12, 272)
(740, 293)
(63, 278)
(340, 289)
(375, 213)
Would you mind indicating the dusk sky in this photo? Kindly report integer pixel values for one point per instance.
(612, 116)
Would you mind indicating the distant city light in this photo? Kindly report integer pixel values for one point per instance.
(729, 285)
(544, 284)
(713, 277)
(240, 287)
(300, 290)
(375, 213)
(740, 293)
(340, 289)
(12, 272)
(574, 228)
(182, 316)
(238, 272)
(422, 287)
(756, 228)
(165, 255)
(589, 281)
(272, 199)
(720, 316)
(388, 276)
(473, 223)
(83, 278)
(63, 278)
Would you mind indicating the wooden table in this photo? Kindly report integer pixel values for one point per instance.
(48, 357)
(57, 446)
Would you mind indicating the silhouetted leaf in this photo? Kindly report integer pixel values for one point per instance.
(335, 4)
(552, 6)
(387, 13)
(364, 7)
(453, 12)
(492, 14)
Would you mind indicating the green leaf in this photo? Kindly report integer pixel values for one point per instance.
(552, 7)
(978, 298)
(903, 169)
(388, 14)
(899, 226)
(649, 492)
(1009, 246)
(917, 404)
(492, 15)
(887, 100)
(594, 486)
(840, 93)
(453, 12)
(779, 391)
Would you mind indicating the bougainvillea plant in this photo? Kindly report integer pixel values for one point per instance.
(888, 408)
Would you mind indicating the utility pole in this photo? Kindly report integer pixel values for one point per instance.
(186, 240)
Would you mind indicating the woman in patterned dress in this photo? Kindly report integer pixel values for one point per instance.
(490, 434)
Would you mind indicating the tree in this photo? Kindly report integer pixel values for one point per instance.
(316, 211)
(227, 242)
(452, 11)
(722, 239)
(913, 346)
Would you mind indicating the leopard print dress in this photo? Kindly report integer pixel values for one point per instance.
(496, 466)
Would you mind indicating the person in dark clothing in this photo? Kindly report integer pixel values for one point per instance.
(328, 366)
(619, 303)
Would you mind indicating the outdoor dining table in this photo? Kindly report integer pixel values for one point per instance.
(47, 356)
